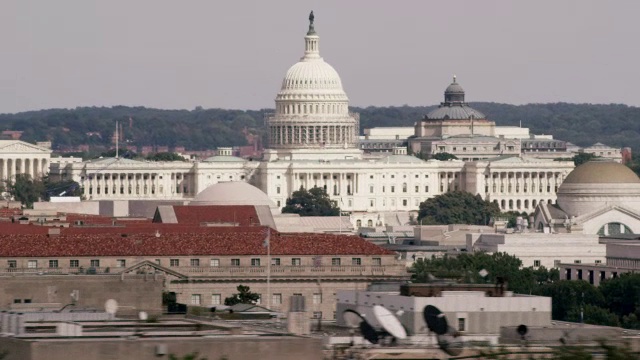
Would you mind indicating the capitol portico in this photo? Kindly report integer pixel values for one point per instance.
(313, 142)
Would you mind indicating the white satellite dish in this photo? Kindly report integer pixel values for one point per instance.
(111, 306)
(389, 322)
(143, 316)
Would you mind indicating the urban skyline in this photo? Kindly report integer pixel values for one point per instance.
(234, 55)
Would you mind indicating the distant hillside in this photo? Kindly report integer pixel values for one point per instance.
(582, 124)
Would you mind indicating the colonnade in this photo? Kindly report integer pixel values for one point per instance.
(322, 135)
(143, 184)
(335, 183)
(523, 190)
(34, 167)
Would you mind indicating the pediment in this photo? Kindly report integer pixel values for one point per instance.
(150, 266)
(22, 147)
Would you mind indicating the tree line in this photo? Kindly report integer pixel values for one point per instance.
(616, 302)
(199, 129)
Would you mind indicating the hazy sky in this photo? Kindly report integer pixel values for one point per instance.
(233, 54)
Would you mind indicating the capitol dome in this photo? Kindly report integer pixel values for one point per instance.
(232, 193)
(454, 107)
(598, 184)
(312, 109)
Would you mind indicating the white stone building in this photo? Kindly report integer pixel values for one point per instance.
(313, 141)
(19, 157)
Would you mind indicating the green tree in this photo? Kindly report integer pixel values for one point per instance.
(593, 315)
(59, 188)
(582, 158)
(569, 295)
(165, 156)
(312, 202)
(25, 189)
(622, 294)
(457, 207)
(244, 296)
(512, 217)
(444, 156)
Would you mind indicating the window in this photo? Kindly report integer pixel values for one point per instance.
(598, 261)
(426, 189)
(32, 264)
(95, 263)
(317, 314)
(417, 188)
(296, 262)
(121, 263)
(577, 261)
(317, 299)
(404, 202)
(174, 262)
(214, 262)
(371, 189)
(278, 190)
(275, 262)
(276, 299)
(53, 263)
(74, 263)
(235, 262)
(194, 262)
(335, 261)
(461, 324)
(372, 202)
(356, 261)
(536, 263)
(393, 188)
(297, 294)
(376, 261)
(195, 299)
(12, 264)
(255, 262)
(216, 299)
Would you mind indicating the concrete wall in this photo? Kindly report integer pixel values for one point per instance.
(134, 293)
(263, 348)
(482, 315)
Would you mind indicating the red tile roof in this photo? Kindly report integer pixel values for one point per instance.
(178, 241)
(243, 215)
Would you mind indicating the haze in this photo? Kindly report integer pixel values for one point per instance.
(233, 54)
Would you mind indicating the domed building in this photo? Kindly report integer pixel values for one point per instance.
(312, 118)
(232, 193)
(598, 197)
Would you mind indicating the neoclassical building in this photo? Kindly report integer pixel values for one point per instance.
(313, 141)
(19, 157)
(598, 197)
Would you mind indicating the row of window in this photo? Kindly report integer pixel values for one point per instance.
(33, 264)
(392, 202)
(536, 263)
(392, 188)
(276, 299)
(276, 262)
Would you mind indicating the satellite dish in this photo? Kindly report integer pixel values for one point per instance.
(369, 333)
(435, 319)
(451, 342)
(389, 322)
(522, 330)
(111, 306)
(143, 316)
(352, 318)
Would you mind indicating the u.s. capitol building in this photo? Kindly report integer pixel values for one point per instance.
(313, 141)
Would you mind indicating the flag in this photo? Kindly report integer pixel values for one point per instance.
(267, 239)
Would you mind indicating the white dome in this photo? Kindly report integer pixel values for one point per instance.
(232, 193)
(311, 76)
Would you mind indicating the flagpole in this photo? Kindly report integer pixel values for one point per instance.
(269, 268)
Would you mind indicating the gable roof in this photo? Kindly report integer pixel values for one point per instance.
(21, 146)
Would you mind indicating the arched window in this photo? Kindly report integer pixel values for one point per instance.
(510, 204)
(614, 228)
(369, 223)
(358, 223)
